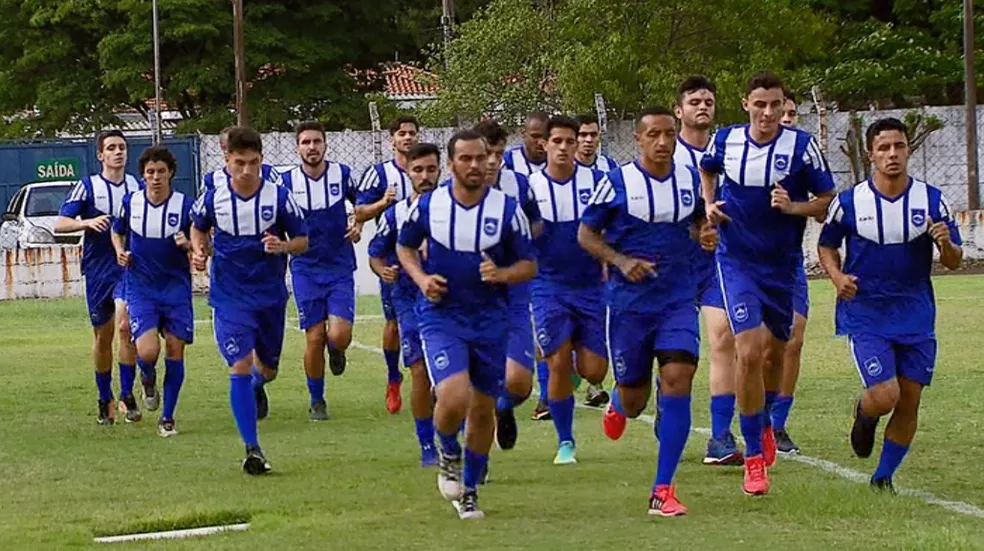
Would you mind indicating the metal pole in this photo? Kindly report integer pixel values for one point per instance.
(156, 126)
(239, 45)
(447, 28)
(970, 103)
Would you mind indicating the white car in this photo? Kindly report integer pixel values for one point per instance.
(30, 217)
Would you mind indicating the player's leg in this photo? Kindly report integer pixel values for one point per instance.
(542, 411)
(99, 302)
(341, 315)
(778, 317)
(391, 350)
(421, 395)
(174, 374)
(722, 449)
(677, 368)
(128, 361)
(875, 360)
(447, 362)
(630, 347)
(555, 326)
(145, 326)
(236, 334)
(790, 375)
(519, 379)
(269, 343)
(315, 336)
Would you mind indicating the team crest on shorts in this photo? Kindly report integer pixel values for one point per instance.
(741, 312)
(441, 361)
(781, 162)
(490, 226)
(686, 197)
(406, 346)
(620, 365)
(542, 337)
(266, 212)
(918, 217)
(172, 219)
(584, 195)
(873, 366)
(231, 347)
(335, 189)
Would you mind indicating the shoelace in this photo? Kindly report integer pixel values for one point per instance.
(756, 469)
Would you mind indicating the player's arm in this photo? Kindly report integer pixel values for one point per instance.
(121, 228)
(202, 221)
(518, 245)
(820, 183)
(68, 221)
(945, 233)
(372, 197)
(597, 216)
(711, 165)
(382, 245)
(828, 250)
(408, 242)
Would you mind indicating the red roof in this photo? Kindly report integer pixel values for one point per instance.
(407, 81)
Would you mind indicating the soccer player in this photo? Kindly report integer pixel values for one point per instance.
(790, 116)
(589, 144)
(695, 108)
(767, 175)
(639, 221)
(568, 306)
(324, 276)
(381, 186)
(530, 157)
(150, 237)
(519, 351)
(478, 243)
(89, 207)
(220, 176)
(424, 169)
(247, 291)
(885, 302)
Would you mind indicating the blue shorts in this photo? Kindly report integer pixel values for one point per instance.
(801, 294)
(406, 316)
(708, 287)
(753, 296)
(386, 295)
(520, 347)
(570, 316)
(101, 297)
(239, 332)
(333, 299)
(147, 314)
(636, 338)
(879, 359)
(448, 354)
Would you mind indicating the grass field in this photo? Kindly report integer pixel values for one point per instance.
(355, 481)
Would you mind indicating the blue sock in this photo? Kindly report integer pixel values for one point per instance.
(780, 411)
(892, 455)
(174, 375)
(659, 396)
(425, 432)
(751, 431)
(244, 407)
(508, 400)
(316, 387)
(449, 444)
(617, 401)
(104, 384)
(674, 428)
(474, 467)
(562, 412)
(393, 374)
(258, 380)
(770, 398)
(148, 372)
(127, 374)
(542, 378)
(722, 413)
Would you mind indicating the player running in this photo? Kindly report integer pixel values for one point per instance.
(530, 157)
(568, 306)
(90, 207)
(477, 244)
(220, 176)
(424, 169)
(885, 302)
(767, 175)
(324, 276)
(640, 222)
(247, 291)
(381, 186)
(150, 237)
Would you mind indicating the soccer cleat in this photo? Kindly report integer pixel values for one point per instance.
(428, 456)
(129, 410)
(165, 428)
(151, 397)
(318, 411)
(506, 429)
(468, 507)
(768, 447)
(863, 432)
(541, 412)
(262, 403)
(756, 476)
(785, 444)
(723, 451)
(613, 423)
(883, 485)
(664, 503)
(105, 416)
(449, 477)
(394, 401)
(255, 463)
(596, 397)
(565, 454)
(336, 361)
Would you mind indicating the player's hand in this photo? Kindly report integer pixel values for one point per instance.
(781, 200)
(98, 224)
(715, 215)
(273, 244)
(636, 269)
(353, 233)
(199, 260)
(490, 272)
(940, 233)
(433, 287)
(181, 240)
(390, 273)
(846, 284)
(390, 195)
(708, 237)
(123, 258)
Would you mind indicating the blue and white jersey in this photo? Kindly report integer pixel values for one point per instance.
(563, 264)
(649, 218)
(322, 201)
(602, 163)
(220, 177)
(244, 276)
(159, 268)
(688, 155)
(890, 251)
(92, 197)
(515, 159)
(758, 233)
(456, 236)
(378, 178)
(517, 186)
(383, 245)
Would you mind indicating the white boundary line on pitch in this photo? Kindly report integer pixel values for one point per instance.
(175, 534)
(367, 317)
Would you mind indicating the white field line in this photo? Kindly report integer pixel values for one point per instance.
(175, 534)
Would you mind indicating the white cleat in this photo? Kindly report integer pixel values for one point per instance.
(449, 477)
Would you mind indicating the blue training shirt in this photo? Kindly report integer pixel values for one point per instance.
(220, 177)
(602, 163)
(515, 159)
(648, 218)
(383, 245)
(378, 178)
(890, 251)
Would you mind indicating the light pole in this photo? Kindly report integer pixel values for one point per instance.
(970, 104)
(239, 45)
(156, 121)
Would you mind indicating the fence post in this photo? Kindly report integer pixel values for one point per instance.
(602, 113)
(377, 137)
(821, 116)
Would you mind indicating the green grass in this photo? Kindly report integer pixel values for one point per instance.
(355, 481)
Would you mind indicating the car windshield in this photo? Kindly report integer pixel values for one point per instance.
(46, 201)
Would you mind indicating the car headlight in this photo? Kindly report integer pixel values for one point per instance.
(37, 234)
